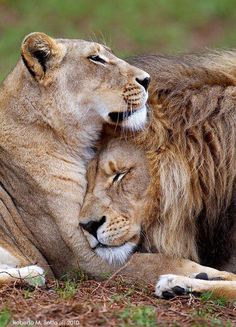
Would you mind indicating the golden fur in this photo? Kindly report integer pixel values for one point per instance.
(191, 150)
(52, 109)
(188, 209)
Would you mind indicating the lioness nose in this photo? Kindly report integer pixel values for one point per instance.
(144, 82)
(93, 225)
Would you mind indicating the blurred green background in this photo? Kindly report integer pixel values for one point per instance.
(128, 26)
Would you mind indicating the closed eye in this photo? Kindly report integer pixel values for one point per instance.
(117, 177)
(97, 59)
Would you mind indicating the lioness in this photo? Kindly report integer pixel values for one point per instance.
(171, 189)
(52, 109)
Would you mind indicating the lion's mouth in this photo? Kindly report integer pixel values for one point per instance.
(101, 245)
(113, 254)
(118, 117)
(131, 119)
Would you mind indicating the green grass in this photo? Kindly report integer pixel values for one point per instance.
(70, 283)
(221, 301)
(208, 312)
(67, 290)
(78, 276)
(129, 26)
(5, 317)
(215, 322)
(141, 316)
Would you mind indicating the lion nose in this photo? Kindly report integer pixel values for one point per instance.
(144, 82)
(93, 225)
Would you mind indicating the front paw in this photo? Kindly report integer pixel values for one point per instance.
(169, 286)
(33, 275)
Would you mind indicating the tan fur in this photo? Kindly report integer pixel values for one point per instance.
(52, 108)
(190, 150)
(193, 132)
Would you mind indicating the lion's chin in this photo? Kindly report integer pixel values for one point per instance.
(116, 255)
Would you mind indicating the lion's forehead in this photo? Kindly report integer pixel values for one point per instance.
(78, 42)
(85, 47)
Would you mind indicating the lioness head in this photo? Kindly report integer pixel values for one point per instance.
(88, 77)
(113, 208)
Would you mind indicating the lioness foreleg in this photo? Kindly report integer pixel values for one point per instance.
(179, 276)
(196, 278)
(33, 275)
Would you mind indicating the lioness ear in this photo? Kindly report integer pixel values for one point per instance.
(40, 53)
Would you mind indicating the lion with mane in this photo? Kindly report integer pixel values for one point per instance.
(171, 188)
(53, 107)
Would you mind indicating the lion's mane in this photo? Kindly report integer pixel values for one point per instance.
(191, 148)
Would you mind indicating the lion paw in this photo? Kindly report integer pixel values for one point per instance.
(33, 275)
(169, 286)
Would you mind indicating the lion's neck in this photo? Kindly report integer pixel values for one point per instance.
(43, 150)
(47, 117)
(43, 159)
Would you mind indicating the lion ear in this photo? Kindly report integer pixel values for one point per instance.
(39, 53)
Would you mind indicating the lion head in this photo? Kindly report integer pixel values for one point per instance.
(189, 146)
(87, 79)
(113, 208)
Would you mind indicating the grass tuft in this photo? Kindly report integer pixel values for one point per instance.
(208, 296)
(5, 317)
(67, 290)
(143, 316)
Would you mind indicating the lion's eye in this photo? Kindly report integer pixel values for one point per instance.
(97, 59)
(118, 177)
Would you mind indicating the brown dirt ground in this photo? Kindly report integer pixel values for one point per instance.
(107, 303)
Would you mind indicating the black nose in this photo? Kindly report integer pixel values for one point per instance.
(93, 225)
(144, 82)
